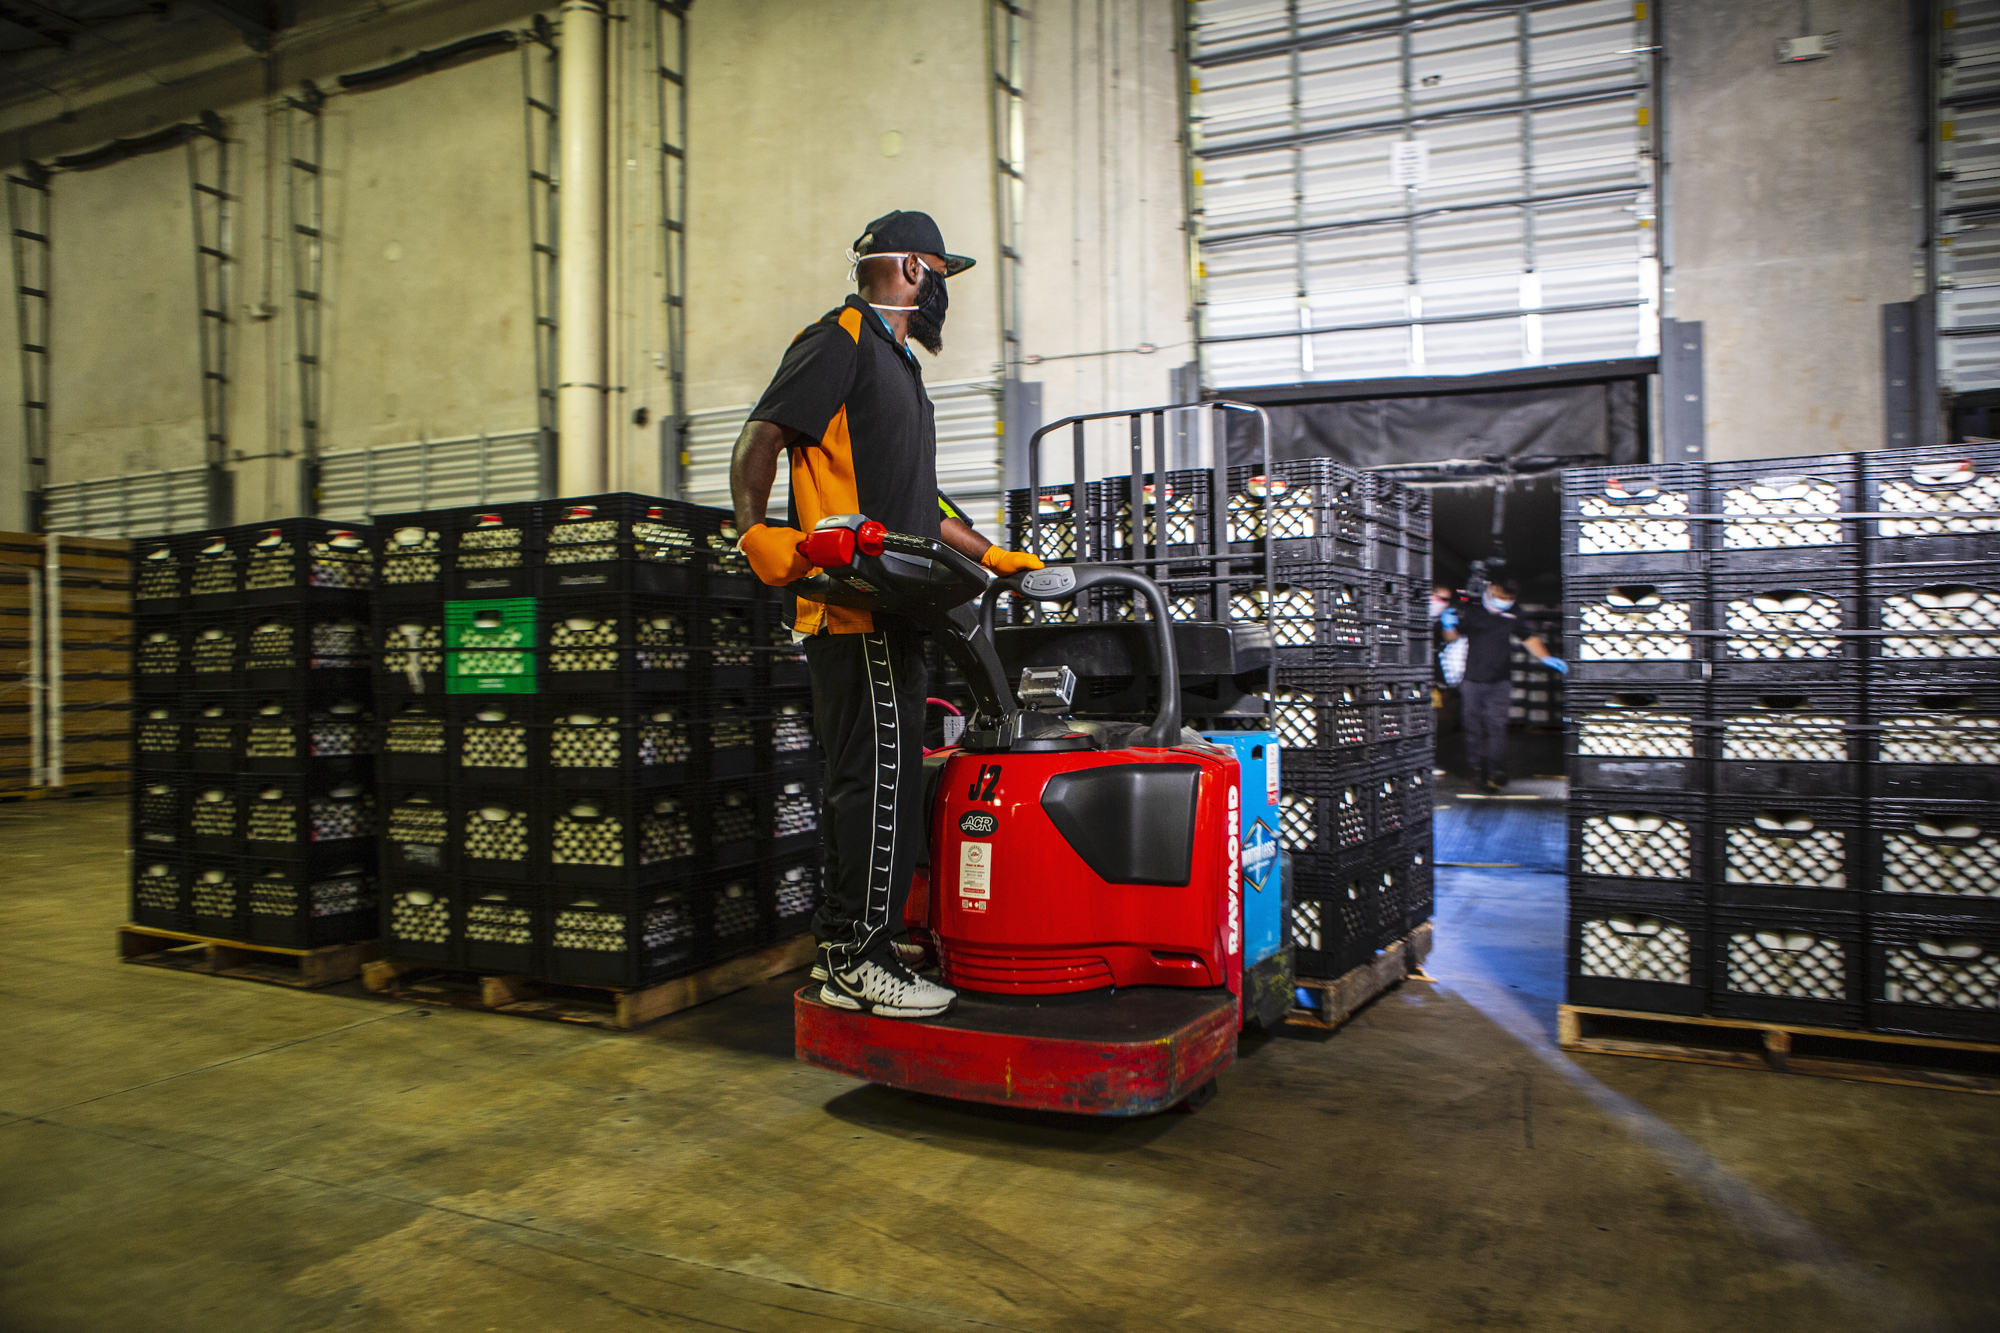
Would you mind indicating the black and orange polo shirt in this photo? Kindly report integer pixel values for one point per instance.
(868, 437)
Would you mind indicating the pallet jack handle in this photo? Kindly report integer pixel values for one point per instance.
(1061, 583)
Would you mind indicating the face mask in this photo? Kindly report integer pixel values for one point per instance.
(1494, 602)
(927, 320)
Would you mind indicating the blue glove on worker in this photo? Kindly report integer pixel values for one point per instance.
(1448, 618)
(1557, 665)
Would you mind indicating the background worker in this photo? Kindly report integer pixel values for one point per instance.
(848, 409)
(1489, 627)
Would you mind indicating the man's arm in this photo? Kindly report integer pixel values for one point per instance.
(753, 467)
(1542, 655)
(960, 537)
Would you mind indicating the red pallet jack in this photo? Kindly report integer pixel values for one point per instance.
(1083, 884)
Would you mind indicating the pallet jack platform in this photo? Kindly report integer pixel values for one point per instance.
(1129, 1053)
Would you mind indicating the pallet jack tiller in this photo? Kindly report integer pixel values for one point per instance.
(1084, 888)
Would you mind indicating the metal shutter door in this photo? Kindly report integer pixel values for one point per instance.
(430, 474)
(1968, 197)
(1528, 242)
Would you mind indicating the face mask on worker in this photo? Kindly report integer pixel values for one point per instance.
(1497, 602)
(927, 315)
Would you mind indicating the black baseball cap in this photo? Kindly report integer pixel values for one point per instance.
(903, 232)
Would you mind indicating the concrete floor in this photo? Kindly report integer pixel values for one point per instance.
(195, 1153)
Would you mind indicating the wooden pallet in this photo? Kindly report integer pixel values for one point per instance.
(597, 1006)
(1785, 1048)
(83, 789)
(305, 969)
(1341, 997)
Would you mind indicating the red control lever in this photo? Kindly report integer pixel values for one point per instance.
(833, 548)
(869, 537)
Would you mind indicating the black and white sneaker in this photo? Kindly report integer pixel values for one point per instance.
(820, 970)
(886, 988)
(908, 952)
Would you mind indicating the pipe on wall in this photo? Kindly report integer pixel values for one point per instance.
(581, 313)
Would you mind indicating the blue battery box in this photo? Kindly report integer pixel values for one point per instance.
(1263, 892)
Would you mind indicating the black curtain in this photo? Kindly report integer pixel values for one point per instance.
(1583, 424)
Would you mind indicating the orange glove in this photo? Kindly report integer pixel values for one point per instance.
(1004, 563)
(774, 554)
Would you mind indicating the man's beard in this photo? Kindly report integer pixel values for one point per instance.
(927, 320)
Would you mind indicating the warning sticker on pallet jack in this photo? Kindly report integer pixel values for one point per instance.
(975, 875)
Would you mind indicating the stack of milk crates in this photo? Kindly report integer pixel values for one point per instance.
(253, 808)
(1336, 564)
(596, 749)
(1782, 723)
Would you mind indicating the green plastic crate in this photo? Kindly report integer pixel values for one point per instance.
(490, 646)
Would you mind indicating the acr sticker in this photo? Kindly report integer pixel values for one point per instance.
(975, 875)
(978, 824)
(1260, 855)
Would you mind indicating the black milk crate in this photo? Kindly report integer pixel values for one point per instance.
(1933, 487)
(1787, 626)
(624, 543)
(1314, 509)
(1403, 795)
(617, 643)
(1934, 858)
(414, 743)
(738, 910)
(158, 725)
(1779, 965)
(733, 732)
(781, 668)
(417, 829)
(792, 743)
(422, 916)
(1325, 810)
(1332, 711)
(1937, 740)
(640, 740)
(301, 647)
(1178, 516)
(159, 649)
(409, 559)
(1789, 740)
(736, 639)
(499, 926)
(285, 731)
(1935, 976)
(1340, 911)
(305, 561)
(160, 813)
(285, 813)
(1065, 535)
(1788, 852)
(489, 550)
(309, 901)
(767, 815)
(1635, 520)
(1635, 629)
(159, 575)
(496, 834)
(1317, 617)
(211, 649)
(212, 810)
(1638, 846)
(1637, 737)
(1783, 513)
(409, 651)
(624, 936)
(1631, 954)
(210, 559)
(1921, 618)
(159, 889)
(792, 887)
(620, 836)
(1408, 882)
(214, 731)
(215, 896)
(495, 740)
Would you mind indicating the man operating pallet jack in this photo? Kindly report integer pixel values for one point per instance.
(848, 406)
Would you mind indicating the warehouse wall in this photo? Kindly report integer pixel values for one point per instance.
(1104, 232)
(1795, 208)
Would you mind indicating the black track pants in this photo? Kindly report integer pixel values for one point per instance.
(1484, 706)
(868, 713)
